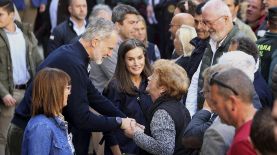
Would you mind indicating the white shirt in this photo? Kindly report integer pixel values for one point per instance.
(53, 11)
(191, 101)
(18, 55)
(78, 30)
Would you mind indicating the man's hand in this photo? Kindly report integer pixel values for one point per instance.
(134, 127)
(9, 100)
(126, 123)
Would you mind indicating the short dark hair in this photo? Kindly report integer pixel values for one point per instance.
(119, 12)
(262, 133)
(121, 73)
(190, 6)
(246, 45)
(7, 5)
(48, 91)
(198, 9)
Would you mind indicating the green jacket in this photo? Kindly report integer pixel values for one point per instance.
(33, 58)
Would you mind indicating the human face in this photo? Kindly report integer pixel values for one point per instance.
(270, 3)
(78, 9)
(152, 88)
(174, 26)
(216, 24)
(127, 29)
(67, 91)
(200, 27)
(233, 9)
(254, 10)
(103, 48)
(141, 29)
(6, 19)
(221, 105)
(135, 61)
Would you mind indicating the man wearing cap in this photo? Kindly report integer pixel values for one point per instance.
(18, 61)
(267, 46)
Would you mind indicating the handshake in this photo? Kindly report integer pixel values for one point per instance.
(130, 126)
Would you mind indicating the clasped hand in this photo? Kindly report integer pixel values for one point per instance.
(130, 126)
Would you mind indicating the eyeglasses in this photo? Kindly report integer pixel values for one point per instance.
(213, 81)
(210, 23)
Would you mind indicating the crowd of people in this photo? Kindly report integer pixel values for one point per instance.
(175, 77)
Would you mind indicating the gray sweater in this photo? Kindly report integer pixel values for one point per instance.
(163, 130)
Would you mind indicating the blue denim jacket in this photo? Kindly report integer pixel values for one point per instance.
(46, 135)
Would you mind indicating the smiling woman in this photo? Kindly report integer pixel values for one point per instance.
(127, 91)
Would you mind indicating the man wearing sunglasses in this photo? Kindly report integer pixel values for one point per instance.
(233, 100)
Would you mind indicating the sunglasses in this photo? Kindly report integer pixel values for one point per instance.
(213, 81)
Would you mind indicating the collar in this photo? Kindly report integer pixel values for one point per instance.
(61, 122)
(82, 51)
(75, 24)
(17, 30)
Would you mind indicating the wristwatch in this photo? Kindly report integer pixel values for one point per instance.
(118, 121)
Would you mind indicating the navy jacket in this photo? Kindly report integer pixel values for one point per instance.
(263, 91)
(61, 35)
(197, 54)
(194, 133)
(73, 59)
(134, 106)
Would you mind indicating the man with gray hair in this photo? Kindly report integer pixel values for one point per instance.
(125, 19)
(218, 19)
(101, 10)
(233, 100)
(96, 43)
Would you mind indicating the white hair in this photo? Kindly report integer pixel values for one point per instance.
(239, 60)
(186, 34)
(218, 7)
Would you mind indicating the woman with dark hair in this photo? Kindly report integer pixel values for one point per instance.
(46, 132)
(127, 91)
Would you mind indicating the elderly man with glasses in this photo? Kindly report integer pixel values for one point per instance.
(218, 20)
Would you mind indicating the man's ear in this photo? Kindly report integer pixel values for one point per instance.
(117, 26)
(234, 102)
(69, 9)
(94, 42)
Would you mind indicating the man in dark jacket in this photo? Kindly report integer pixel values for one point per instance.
(71, 28)
(96, 43)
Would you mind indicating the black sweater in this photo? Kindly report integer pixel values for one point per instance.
(73, 59)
